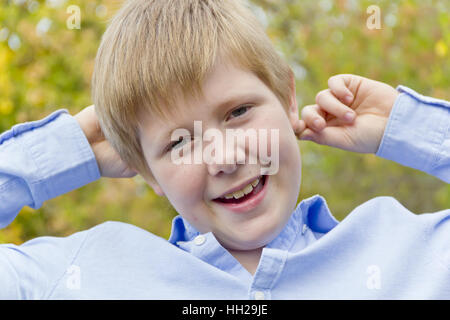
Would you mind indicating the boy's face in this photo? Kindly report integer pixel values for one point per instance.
(193, 189)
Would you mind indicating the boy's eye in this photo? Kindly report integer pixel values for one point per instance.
(240, 111)
(177, 144)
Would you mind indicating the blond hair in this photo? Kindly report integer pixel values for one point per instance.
(152, 48)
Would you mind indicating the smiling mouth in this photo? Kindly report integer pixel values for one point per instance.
(238, 198)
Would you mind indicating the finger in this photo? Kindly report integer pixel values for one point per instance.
(339, 86)
(330, 136)
(328, 102)
(129, 173)
(298, 125)
(299, 128)
(307, 134)
(314, 117)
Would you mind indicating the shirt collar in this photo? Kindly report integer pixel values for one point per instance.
(312, 212)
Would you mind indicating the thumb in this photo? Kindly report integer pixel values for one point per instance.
(307, 135)
(329, 136)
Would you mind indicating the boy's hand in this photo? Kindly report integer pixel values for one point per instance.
(108, 160)
(369, 101)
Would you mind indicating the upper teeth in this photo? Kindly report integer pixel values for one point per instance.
(246, 190)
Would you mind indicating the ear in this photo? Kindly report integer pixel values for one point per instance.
(158, 190)
(293, 107)
(151, 181)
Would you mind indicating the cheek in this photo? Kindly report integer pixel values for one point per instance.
(182, 184)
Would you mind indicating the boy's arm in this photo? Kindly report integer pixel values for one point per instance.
(399, 125)
(41, 160)
(417, 134)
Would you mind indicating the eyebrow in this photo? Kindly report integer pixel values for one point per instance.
(164, 138)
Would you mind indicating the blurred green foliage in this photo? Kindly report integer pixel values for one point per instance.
(45, 66)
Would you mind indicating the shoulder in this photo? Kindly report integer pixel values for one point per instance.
(118, 232)
(389, 209)
(68, 247)
(388, 216)
(114, 238)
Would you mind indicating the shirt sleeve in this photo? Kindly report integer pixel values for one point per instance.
(41, 160)
(417, 134)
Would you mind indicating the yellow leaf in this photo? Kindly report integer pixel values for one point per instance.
(4, 58)
(6, 107)
(441, 48)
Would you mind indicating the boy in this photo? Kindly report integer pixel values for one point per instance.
(164, 65)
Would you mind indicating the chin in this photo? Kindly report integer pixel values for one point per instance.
(252, 238)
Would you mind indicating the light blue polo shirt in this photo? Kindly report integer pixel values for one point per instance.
(381, 250)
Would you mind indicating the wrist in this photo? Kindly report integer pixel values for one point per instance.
(85, 122)
(390, 103)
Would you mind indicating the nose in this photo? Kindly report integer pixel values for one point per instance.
(216, 168)
(224, 156)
